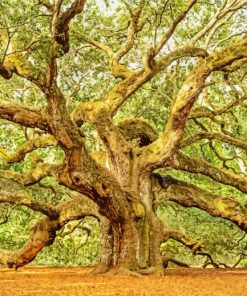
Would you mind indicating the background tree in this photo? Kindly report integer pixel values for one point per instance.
(116, 114)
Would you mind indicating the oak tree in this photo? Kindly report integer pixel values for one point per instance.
(106, 102)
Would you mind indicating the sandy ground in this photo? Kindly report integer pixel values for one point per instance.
(78, 281)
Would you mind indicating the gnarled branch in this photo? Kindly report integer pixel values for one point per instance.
(154, 155)
(190, 164)
(189, 195)
(43, 233)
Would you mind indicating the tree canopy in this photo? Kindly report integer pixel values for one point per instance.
(132, 113)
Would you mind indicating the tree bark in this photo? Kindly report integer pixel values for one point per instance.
(132, 240)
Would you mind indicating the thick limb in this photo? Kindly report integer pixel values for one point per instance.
(43, 232)
(189, 195)
(190, 164)
(22, 115)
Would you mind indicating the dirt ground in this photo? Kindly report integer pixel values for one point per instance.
(79, 282)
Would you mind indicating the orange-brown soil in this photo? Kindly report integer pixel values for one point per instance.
(79, 282)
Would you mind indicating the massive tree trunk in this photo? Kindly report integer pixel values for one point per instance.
(133, 244)
(131, 241)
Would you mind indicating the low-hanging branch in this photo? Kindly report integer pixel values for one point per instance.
(43, 233)
(189, 195)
